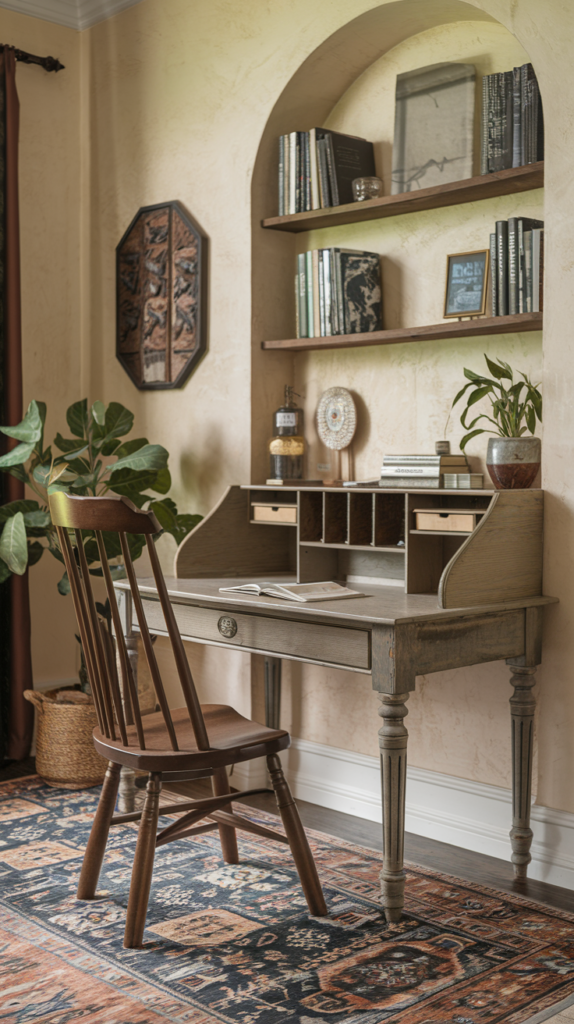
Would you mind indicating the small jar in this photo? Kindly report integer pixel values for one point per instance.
(287, 446)
(366, 188)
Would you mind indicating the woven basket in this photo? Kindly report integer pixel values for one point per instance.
(65, 752)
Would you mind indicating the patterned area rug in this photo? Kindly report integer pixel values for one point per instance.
(235, 943)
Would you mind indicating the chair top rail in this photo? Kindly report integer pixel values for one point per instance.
(112, 513)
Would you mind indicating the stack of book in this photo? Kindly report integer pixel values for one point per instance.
(512, 127)
(517, 266)
(338, 291)
(410, 471)
(316, 169)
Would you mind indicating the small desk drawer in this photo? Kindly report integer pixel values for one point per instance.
(457, 521)
(310, 641)
(262, 513)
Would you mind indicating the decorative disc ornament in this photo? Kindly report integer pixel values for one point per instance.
(336, 418)
(161, 268)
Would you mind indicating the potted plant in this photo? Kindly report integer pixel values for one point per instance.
(512, 459)
(95, 460)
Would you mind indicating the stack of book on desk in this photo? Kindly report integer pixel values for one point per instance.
(408, 471)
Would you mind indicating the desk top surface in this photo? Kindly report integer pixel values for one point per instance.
(380, 605)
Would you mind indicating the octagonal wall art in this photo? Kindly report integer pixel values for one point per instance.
(161, 295)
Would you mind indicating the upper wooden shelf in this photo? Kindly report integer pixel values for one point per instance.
(482, 326)
(483, 186)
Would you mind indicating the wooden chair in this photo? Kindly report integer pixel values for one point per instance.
(192, 742)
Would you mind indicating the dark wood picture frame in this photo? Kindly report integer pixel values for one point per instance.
(460, 258)
(161, 297)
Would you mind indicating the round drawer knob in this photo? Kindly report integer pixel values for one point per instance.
(227, 626)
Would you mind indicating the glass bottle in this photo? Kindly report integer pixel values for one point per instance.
(287, 446)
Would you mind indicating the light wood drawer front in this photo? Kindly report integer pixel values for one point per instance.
(275, 513)
(459, 522)
(335, 645)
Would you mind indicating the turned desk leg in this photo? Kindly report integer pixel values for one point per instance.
(393, 737)
(522, 707)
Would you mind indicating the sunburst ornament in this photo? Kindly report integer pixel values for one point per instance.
(336, 418)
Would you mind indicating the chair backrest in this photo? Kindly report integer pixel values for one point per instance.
(79, 519)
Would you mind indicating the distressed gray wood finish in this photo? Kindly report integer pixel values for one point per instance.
(465, 601)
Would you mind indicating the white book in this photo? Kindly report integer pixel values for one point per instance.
(315, 198)
(292, 172)
(302, 592)
(536, 232)
(410, 470)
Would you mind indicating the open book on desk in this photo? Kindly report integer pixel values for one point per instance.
(303, 592)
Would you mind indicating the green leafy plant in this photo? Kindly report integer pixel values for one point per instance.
(95, 460)
(515, 407)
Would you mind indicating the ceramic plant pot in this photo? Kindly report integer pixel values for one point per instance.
(513, 461)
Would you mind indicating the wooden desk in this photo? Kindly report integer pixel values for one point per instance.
(390, 634)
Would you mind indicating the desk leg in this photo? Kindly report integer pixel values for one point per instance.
(522, 707)
(393, 737)
(272, 692)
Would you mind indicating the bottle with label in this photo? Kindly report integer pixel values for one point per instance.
(287, 446)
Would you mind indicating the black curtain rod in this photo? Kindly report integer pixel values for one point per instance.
(48, 63)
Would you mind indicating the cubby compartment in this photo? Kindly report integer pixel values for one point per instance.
(335, 517)
(311, 516)
(388, 520)
(428, 551)
(360, 529)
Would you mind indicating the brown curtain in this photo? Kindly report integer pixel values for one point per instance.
(16, 663)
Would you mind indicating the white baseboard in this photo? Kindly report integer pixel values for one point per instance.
(471, 815)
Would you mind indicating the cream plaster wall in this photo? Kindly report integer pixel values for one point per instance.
(185, 101)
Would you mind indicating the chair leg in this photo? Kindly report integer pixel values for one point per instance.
(94, 855)
(143, 865)
(297, 839)
(227, 834)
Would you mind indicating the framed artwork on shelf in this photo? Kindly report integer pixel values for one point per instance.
(161, 297)
(466, 283)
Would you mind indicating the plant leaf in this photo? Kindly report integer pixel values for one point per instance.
(4, 571)
(478, 394)
(19, 473)
(118, 421)
(41, 474)
(128, 447)
(468, 437)
(35, 552)
(162, 482)
(150, 457)
(31, 427)
(109, 447)
(99, 413)
(37, 519)
(64, 585)
(77, 418)
(22, 505)
(131, 482)
(66, 444)
(498, 370)
(20, 454)
(14, 544)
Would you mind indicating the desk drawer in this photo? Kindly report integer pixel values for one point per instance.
(335, 645)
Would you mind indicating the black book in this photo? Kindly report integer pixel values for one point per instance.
(502, 264)
(494, 274)
(347, 158)
(281, 176)
(361, 291)
(307, 175)
(484, 127)
(516, 119)
(531, 113)
(323, 173)
(512, 265)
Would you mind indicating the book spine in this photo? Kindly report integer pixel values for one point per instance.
(321, 293)
(484, 127)
(407, 483)
(525, 97)
(516, 119)
(292, 173)
(281, 176)
(315, 197)
(494, 274)
(308, 202)
(497, 123)
(340, 295)
(414, 471)
(334, 293)
(541, 274)
(333, 183)
(502, 261)
(300, 173)
(540, 130)
(309, 291)
(528, 269)
(507, 119)
(323, 174)
(327, 291)
(297, 311)
(512, 265)
(491, 93)
(316, 301)
(536, 268)
(302, 295)
(521, 280)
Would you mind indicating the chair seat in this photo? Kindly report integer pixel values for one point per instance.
(233, 738)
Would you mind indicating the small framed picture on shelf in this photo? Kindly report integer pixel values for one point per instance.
(466, 283)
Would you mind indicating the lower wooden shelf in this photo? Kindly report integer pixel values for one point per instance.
(516, 324)
(351, 547)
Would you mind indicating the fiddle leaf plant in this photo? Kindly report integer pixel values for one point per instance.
(95, 460)
(515, 406)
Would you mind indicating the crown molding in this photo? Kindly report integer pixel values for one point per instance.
(75, 14)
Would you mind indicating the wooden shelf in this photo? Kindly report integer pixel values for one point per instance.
(442, 533)
(453, 193)
(351, 547)
(519, 323)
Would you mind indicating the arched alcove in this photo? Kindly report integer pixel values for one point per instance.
(403, 391)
